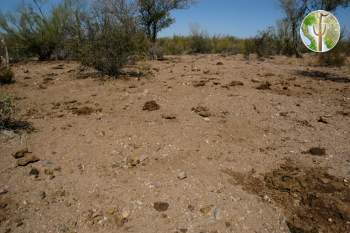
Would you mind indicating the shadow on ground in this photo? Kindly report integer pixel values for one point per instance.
(324, 76)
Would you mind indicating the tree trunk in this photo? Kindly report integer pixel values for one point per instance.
(7, 59)
(154, 33)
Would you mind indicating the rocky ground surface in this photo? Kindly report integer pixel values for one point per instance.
(193, 144)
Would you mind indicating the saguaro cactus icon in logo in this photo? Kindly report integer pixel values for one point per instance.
(320, 31)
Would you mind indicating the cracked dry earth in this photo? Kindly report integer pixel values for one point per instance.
(201, 144)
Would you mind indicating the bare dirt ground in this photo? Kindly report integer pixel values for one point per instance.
(207, 144)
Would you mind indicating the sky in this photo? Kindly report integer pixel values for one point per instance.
(241, 18)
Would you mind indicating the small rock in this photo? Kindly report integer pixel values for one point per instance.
(264, 86)
(120, 220)
(200, 83)
(317, 151)
(133, 161)
(169, 116)
(161, 206)
(34, 172)
(42, 195)
(190, 208)
(232, 84)
(182, 175)
(217, 213)
(27, 160)
(3, 191)
(254, 80)
(206, 209)
(201, 111)
(322, 120)
(219, 63)
(20, 154)
(151, 106)
(58, 67)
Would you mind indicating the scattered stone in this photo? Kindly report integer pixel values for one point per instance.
(268, 74)
(183, 230)
(191, 208)
(58, 67)
(201, 111)
(84, 111)
(182, 175)
(254, 80)
(235, 83)
(3, 191)
(217, 213)
(133, 161)
(21, 153)
(317, 151)
(343, 113)
(34, 172)
(200, 83)
(169, 116)
(120, 220)
(264, 86)
(219, 63)
(27, 159)
(206, 209)
(322, 120)
(151, 106)
(41, 86)
(42, 195)
(206, 72)
(161, 206)
(195, 69)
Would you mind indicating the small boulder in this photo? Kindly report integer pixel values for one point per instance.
(161, 206)
(317, 151)
(264, 86)
(21, 153)
(151, 106)
(201, 111)
(182, 175)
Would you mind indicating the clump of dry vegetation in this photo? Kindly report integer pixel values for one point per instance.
(6, 110)
(6, 75)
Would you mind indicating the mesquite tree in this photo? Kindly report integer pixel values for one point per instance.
(155, 15)
(294, 11)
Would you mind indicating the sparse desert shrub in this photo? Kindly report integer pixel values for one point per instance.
(6, 110)
(176, 45)
(6, 75)
(200, 41)
(32, 33)
(112, 38)
(249, 47)
(156, 52)
(333, 58)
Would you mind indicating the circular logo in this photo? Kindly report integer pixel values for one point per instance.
(320, 31)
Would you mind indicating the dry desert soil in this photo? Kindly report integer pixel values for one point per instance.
(189, 144)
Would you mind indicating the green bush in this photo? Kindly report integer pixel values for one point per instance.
(32, 33)
(112, 39)
(6, 75)
(6, 110)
